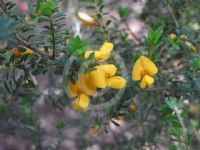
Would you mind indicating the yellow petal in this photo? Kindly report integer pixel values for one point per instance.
(98, 56)
(82, 102)
(72, 89)
(137, 70)
(147, 81)
(106, 47)
(28, 51)
(116, 82)
(98, 78)
(87, 20)
(85, 84)
(16, 52)
(148, 65)
(143, 83)
(109, 69)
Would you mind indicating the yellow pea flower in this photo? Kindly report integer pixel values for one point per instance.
(81, 102)
(87, 20)
(143, 69)
(85, 85)
(119, 118)
(19, 53)
(73, 89)
(81, 89)
(102, 54)
(103, 76)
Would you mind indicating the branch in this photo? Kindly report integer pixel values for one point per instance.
(172, 14)
(53, 39)
(26, 44)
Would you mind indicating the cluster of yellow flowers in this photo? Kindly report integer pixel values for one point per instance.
(103, 76)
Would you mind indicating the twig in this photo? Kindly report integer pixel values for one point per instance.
(184, 130)
(172, 14)
(134, 36)
(53, 39)
(26, 44)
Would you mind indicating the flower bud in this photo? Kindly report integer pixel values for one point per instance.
(184, 37)
(193, 48)
(132, 108)
(172, 36)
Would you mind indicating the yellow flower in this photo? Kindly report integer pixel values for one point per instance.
(143, 69)
(81, 89)
(19, 53)
(103, 76)
(119, 118)
(87, 20)
(102, 54)
(81, 102)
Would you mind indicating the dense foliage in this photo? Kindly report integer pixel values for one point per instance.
(98, 68)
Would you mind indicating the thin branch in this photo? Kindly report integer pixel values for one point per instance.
(26, 44)
(53, 39)
(172, 14)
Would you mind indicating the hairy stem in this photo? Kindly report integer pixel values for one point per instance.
(53, 38)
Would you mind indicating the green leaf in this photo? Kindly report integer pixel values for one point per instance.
(171, 103)
(175, 131)
(91, 7)
(77, 46)
(47, 7)
(195, 63)
(7, 27)
(153, 39)
(123, 11)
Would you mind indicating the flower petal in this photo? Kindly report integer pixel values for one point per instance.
(149, 80)
(86, 19)
(143, 83)
(137, 70)
(98, 78)
(98, 56)
(82, 102)
(148, 65)
(116, 82)
(72, 89)
(85, 84)
(109, 69)
(106, 47)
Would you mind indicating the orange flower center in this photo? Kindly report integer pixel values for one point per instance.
(143, 73)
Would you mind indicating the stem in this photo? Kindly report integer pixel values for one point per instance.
(26, 44)
(172, 14)
(184, 130)
(53, 38)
